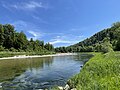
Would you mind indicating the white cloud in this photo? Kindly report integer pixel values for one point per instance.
(31, 30)
(36, 34)
(31, 5)
(66, 39)
(59, 41)
(40, 19)
(36, 17)
(20, 25)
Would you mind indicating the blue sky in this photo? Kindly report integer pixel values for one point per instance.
(60, 22)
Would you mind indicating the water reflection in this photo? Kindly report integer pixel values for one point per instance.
(37, 73)
(11, 68)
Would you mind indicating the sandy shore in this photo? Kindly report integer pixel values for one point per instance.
(35, 56)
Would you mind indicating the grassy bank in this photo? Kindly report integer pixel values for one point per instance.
(102, 72)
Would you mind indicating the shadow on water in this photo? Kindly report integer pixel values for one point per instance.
(40, 73)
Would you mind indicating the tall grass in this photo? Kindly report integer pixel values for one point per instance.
(102, 72)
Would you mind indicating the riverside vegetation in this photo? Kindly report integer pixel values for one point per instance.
(96, 42)
(102, 72)
(16, 43)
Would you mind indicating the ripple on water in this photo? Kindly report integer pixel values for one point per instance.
(46, 73)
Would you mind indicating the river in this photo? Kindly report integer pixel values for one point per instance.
(40, 73)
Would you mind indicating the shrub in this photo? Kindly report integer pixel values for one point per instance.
(2, 48)
(13, 49)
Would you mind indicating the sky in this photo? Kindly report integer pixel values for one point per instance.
(60, 22)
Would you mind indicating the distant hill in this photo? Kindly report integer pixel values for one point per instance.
(90, 44)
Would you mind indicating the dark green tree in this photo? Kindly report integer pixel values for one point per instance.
(118, 45)
(9, 34)
(1, 34)
(21, 41)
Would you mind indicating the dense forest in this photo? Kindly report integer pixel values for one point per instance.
(10, 40)
(99, 42)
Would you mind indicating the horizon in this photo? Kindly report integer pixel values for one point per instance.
(62, 23)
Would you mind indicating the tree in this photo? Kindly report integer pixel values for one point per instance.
(21, 41)
(14, 41)
(106, 46)
(118, 44)
(116, 25)
(31, 40)
(98, 47)
(1, 34)
(49, 46)
(41, 43)
(9, 36)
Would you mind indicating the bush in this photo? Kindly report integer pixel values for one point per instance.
(118, 45)
(2, 48)
(13, 49)
(106, 46)
(6, 50)
(106, 49)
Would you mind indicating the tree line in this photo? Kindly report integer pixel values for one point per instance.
(11, 40)
(99, 42)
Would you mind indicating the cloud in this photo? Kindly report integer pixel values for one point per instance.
(66, 39)
(36, 17)
(59, 41)
(20, 25)
(40, 19)
(31, 30)
(35, 35)
(31, 5)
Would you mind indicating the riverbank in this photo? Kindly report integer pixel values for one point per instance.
(100, 72)
(35, 56)
(4, 54)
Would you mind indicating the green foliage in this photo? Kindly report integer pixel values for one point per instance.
(118, 44)
(49, 46)
(102, 72)
(21, 41)
(13, 49)
(106, 46)
(55, 88)
(10, 40)
(2, 48)
(96, 42)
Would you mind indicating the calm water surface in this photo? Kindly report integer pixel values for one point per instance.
(39, 73)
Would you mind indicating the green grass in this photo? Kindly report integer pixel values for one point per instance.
(102, 72)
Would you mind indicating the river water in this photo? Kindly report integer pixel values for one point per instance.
(40, 73)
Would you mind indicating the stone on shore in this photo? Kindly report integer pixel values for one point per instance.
(67, 87)
(61, 88)
(0, 85)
